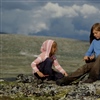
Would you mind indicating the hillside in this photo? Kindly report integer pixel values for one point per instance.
(18, 51)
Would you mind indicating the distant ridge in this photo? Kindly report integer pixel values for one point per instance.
(3, 33)
(51, 35)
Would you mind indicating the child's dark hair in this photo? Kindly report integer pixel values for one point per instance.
(96, 27)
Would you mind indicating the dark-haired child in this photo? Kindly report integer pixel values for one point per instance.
(92, 59)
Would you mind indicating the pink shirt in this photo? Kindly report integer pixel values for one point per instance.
(45, 50)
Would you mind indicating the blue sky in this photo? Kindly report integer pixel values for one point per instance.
(60, 18)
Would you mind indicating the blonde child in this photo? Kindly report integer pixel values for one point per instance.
(42, 65)
(92, 59)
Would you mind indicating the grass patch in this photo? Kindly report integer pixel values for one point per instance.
(18, 51)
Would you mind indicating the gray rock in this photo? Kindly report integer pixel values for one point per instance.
(28, 86)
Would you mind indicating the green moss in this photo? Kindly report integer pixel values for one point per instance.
(17, 98)
(61, 94)
(98, 92)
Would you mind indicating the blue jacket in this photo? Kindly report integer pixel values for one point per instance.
(94, 48)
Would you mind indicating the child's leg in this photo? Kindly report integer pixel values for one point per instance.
(53, 75)
(46, 68)
(57, 75)
(81, 71)
(95, 71)
(77, 74)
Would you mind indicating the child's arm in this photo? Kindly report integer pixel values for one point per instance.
(59, 68)
(90, 51)
(35, 69)
(41, 74)
(89, 54)
(36, 62)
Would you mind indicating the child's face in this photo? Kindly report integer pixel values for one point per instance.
(96, 34)
(53, 48)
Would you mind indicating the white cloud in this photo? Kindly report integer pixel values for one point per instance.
(54, 10)
(39, 19)
(86, 10)
(40, 26)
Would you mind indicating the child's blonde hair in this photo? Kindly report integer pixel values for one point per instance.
(54, 45)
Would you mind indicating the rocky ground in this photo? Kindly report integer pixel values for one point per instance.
(28, 88)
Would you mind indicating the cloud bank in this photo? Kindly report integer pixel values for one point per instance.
(50, 18)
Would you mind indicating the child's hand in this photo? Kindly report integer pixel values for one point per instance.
(65, 74)
(86, 58)
(92, 57)
(41, 74)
